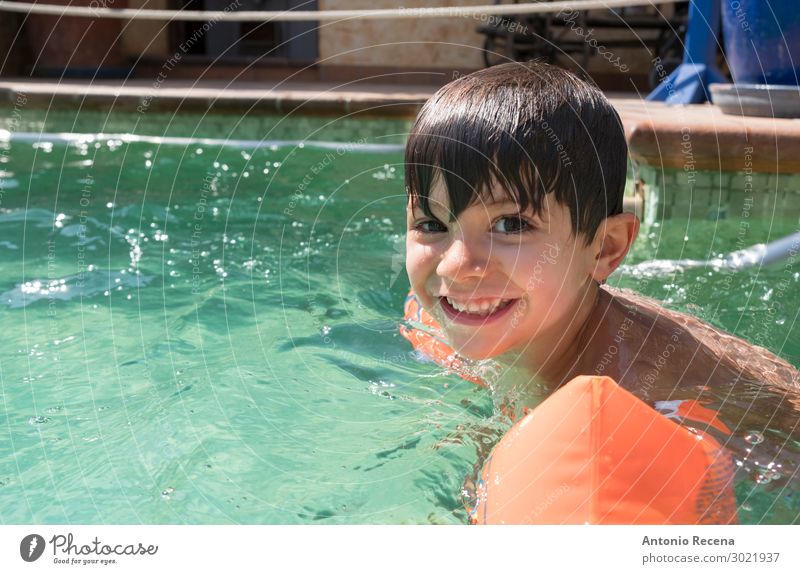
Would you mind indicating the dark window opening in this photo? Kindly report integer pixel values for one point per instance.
(286, 42)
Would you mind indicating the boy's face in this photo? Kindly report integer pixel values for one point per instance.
(517, 278)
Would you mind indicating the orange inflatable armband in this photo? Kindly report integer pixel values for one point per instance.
(593, 453)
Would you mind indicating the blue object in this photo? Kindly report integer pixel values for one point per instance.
(762, 41)
(688, 84)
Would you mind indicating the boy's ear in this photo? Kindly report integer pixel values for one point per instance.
(612, 242)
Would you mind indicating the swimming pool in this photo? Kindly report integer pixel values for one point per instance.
(207, 333)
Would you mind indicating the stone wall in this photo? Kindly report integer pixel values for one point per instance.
(431, 42)
(145, 37)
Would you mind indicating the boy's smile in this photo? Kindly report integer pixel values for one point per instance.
(498, 280)
(475, 311)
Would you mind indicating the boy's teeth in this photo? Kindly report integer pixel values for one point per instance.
(484, 308)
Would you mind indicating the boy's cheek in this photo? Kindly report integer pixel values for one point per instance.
(418, 257)
(415, 276)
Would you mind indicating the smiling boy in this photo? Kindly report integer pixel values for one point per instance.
(515, 176)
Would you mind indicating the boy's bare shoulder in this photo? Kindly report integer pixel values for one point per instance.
(691, 345)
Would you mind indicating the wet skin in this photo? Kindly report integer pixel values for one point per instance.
(492, 252)
(561, 323)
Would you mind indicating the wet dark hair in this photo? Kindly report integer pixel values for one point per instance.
(530, 127)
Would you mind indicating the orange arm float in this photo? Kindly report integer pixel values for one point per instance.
(593, 453)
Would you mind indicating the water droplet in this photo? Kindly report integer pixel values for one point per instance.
(767, 476)
(754, 437)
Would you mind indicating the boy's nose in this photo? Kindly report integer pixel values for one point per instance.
(463, 260)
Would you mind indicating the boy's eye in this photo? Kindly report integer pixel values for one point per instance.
(511, 224)
(430, 226)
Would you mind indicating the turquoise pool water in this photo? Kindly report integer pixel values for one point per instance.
(190, 337)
